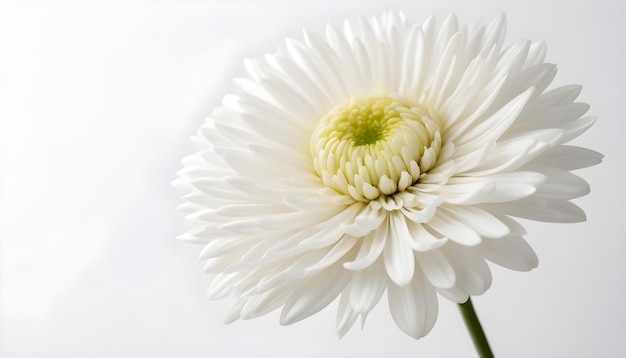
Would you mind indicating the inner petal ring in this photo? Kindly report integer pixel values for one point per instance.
(373, 146)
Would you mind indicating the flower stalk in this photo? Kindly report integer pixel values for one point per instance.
(475, 329)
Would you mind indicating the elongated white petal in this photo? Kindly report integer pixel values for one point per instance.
(542, 209)
(453, 229)
(346, 315)
(511, 252)
(398, 255)
(569, 158)
(423, 239)
(222, 285)
(413, 306)
(311, 298)
(494, 126)
(481, 221)
(337, 252)
(562, 185)
(436, 268)
(472, 273)
(367, 287)
(259, 305)
(371, 248)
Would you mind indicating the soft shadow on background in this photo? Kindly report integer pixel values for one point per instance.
(97, 102)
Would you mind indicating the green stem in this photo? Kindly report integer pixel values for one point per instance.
(475, 329)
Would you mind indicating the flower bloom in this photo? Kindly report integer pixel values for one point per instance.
(383, 157)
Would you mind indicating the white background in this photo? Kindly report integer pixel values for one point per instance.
(97, 102)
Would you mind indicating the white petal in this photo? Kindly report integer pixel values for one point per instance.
(565, 94)
(575, 128)
(562, 185)
(279, 277)
(536, 53)
(366, 220)
(346, 316)
(472, 272)
(424, 240)
(453, 229)
(275, 222)
(495, 31)
(491, 128)
(292, 101)
(370, 249)
(218, 247)
(505, 156)
(471, 102)
(296, 242)
(533, 178)
(221, 263)
(541, 209)
(234, 313)
(419, 216)
(509, 191)
(288, 160)
(569, 158)
(558, 115)
(308, 61)
(300, 79)
(337, 252)
(467, 193)
(367, 287)
(446, 67)
(538, 76)
(251, 209)
(264, 303)
(413, 307)
(512, 60)
(222, 285)
(512, 252)
(364, 64)
(413, 62)
(398, 255)
(515, 228)
(481, 221)
(313, 295)
(339, 43)
(493, 188)
(436, 268)
(513, 152)
(466, 158)
(198, 236)
(328, 61)
(454, 294)
(218, 190)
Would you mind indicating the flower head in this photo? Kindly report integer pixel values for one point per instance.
(384, 157)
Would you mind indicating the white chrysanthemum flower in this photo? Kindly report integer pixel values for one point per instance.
(387, 156)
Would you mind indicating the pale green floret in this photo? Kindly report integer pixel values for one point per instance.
(374, 146)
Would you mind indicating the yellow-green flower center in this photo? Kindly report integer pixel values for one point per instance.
(374, 146)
